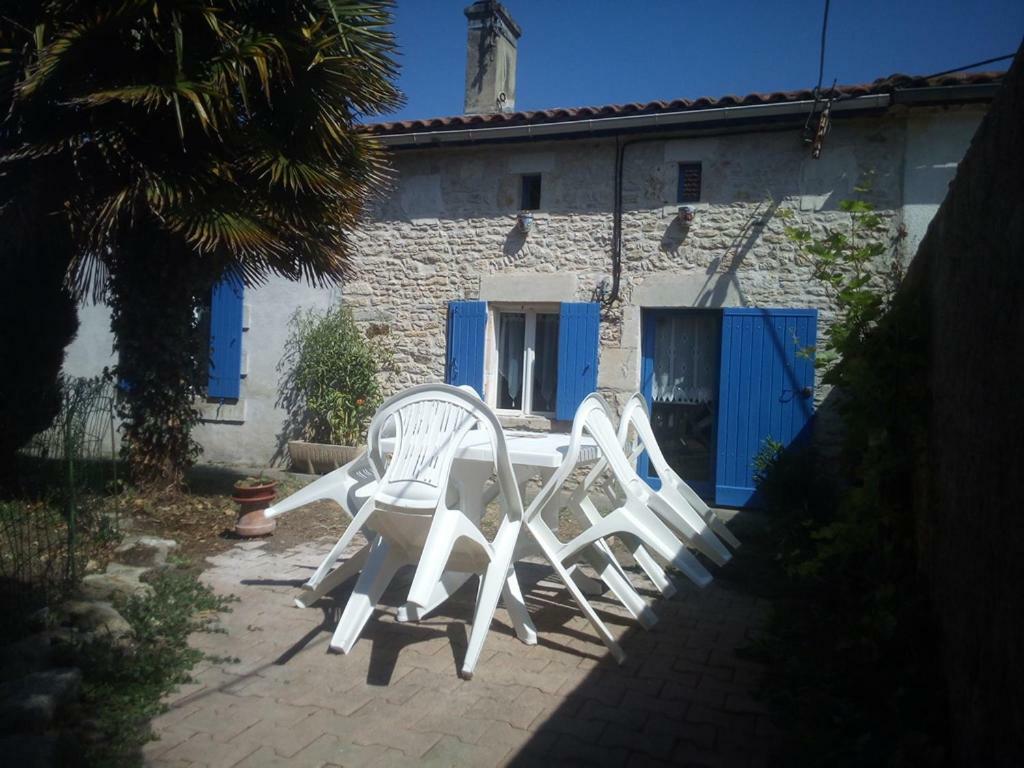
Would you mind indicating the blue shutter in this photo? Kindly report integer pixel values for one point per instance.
(226, 339)
(579, 335)
(765, 391)
(465, 364)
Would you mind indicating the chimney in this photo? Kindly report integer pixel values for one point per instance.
(490, 59)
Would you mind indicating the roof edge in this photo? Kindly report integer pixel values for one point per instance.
(897, 89)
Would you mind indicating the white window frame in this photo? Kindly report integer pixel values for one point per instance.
(530, 338)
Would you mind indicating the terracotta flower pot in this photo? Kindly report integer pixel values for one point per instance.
(252, 500)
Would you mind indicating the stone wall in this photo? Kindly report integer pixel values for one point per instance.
(447, 232)
(971, 267)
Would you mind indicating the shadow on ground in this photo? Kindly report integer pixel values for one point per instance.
(684, 696)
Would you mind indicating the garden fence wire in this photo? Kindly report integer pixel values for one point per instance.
(46, 538)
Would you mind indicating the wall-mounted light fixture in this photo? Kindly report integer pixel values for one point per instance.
(686, 215)
(524, 222)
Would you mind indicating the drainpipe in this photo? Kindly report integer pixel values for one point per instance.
(620, 157)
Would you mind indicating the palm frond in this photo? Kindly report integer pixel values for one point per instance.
(228, 127)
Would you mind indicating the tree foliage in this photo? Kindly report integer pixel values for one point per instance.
(184, 139)
(846, 261)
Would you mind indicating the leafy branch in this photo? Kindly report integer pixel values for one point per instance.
(846, 262)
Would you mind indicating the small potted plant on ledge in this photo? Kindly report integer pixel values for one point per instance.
(331, 387)
(253, 495)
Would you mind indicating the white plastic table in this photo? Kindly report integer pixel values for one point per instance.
(533, 454)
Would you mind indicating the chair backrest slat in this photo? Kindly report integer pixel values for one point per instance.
(636, 415)
(430, 423)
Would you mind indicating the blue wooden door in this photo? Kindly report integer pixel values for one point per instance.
(766, 389)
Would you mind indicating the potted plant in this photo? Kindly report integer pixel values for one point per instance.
(253, 495)
(331, 386)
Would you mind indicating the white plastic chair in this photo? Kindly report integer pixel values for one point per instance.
(633, 518)
(350, 487)
(691, 513)
(416, 525)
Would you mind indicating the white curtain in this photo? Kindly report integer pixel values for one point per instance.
(686, 353)
(511, 336)
(545, 363)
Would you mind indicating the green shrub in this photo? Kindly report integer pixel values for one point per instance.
(855, 675)
(123, 685)
(332, 375)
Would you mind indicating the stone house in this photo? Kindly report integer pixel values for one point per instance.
(541, 255)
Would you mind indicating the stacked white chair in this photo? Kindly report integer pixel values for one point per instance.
(349, 487)
(409, 509)
(632, 519)
(682, 507)
(675, 502)
(415, 525)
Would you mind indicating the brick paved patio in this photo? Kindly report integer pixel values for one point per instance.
(683, 697)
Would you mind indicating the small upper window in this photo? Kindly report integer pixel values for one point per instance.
(689, 183)
(529, 199)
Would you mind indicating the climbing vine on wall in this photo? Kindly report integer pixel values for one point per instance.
(853, 643)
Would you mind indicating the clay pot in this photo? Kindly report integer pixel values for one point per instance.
(252, 500)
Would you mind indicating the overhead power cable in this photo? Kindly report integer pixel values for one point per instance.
(821, 57)
(807, 133)
(971, 66)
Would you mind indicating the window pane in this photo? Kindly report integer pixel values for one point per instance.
(545, 364)
(685, 391)
(511, 336)
(530, 198)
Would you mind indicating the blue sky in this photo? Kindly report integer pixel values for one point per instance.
(590, 52)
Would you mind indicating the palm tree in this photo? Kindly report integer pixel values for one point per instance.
(183, 140)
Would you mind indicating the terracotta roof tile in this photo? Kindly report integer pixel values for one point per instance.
(536, 117)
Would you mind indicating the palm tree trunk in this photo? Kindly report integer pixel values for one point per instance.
(153, 298)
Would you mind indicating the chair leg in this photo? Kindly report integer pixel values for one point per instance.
(512, 596)
(381, 566)
(347, 570)
(435, 552)
(493, 581)
(718, 526)
(621, 587)
(653, 570)
(553, 554)
(450, 583)
(686, 562)
(491, 585)
(649, 528)
(346, 538)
